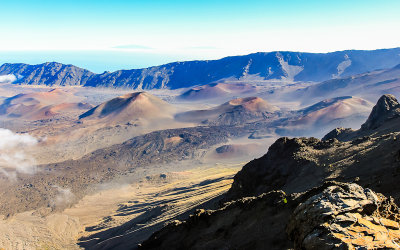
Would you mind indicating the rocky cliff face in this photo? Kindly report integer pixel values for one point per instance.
(289, 66)
(332, 216)
(295, 165)
(383, 119)
(321, 202)
(387, 108)
(271, 171)
(248, 223)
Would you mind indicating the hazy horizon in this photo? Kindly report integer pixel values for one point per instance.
(100, 61)
(102, 35)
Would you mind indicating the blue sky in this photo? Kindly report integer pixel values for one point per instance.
(107, 35)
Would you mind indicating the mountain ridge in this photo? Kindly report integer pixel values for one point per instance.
(278, 66)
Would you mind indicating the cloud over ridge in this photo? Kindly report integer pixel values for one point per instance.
(13, 158)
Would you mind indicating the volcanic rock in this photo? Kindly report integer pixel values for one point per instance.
(332, 216)
(345, 216)
(387, 108)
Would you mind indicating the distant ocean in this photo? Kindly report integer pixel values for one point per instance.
(95, 61)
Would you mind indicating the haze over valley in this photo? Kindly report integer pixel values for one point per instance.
(199, 124)
(97, 163)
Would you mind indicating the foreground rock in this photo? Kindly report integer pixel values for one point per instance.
(345, 216)
(334, 215)
(319, 212)
(248, 223)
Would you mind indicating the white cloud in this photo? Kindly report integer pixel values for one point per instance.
(132, 47)
(13, 156)
(7, 78)
(64, 196)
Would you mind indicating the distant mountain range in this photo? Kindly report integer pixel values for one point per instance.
(378, 82)
(287, 66)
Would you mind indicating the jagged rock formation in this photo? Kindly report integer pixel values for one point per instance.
(387, 108)
(335, 133)
(331, 216)
(295, 165)
(271, 171)
(248, 223)
(345, 216)
(382, 120)
(289, 66)
(323, 215)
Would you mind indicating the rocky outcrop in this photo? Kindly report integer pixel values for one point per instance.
(335, 133)
(321, 203)
(248, 223)
(387, 108)
(271, 171)
(383, 119)
(345, 216)
(298, 164)
(273, 65)
(332, 216)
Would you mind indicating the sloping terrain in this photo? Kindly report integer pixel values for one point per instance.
(334, 215)
(159, 199)
(286, 66)
(346, 111)
(381, 121)
(369, 85)
(130, 107)
(295, 165)
(42, 105)
(218, 90)
(234, 112)
(50, 73)
(123, 210)
(231, 131)
(101, 166)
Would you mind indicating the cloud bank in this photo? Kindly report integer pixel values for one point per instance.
(7, 78)
(132, 46)
(13, 158)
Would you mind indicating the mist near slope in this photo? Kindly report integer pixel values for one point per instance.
(318, 119)
(13, 158)
(7, 78)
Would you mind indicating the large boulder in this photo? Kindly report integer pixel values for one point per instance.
(345, 216)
